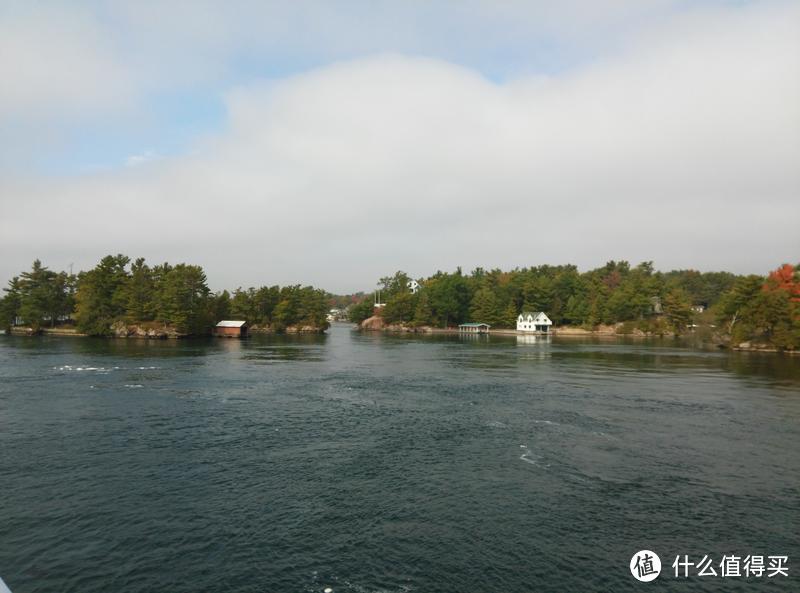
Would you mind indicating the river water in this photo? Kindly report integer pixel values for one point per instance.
(368, 462)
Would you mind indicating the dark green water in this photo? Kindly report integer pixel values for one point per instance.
(375, 463)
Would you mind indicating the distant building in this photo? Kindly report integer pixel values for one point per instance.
(533, 322)
(698, 308)
(474, 328)
(655, 305)
(231, 329)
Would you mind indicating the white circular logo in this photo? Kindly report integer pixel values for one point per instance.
(645, 566)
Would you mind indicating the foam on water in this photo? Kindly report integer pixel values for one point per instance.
(67, 368)
(529, 457)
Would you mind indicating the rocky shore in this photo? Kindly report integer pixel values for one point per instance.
(376, 323)
(157, 331)
(290, 329)
(618, 330)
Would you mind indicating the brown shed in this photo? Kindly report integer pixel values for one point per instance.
(231, 329)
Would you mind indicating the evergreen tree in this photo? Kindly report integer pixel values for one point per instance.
(400, 307)
(678, 309)
(139, 293)
(11, 302)
(40, 302)
(485, 308)
(361, 310)
(101, 295)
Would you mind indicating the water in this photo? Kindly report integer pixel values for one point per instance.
(369, 463)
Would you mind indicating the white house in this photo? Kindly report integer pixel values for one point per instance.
(533, 322)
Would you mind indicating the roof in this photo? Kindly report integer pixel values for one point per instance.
(231, 323)
(526, 313)
(474, 325)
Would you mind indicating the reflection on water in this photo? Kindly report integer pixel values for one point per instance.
(377, 462)
(523, 339)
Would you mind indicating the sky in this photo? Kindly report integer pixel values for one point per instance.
(335, 143)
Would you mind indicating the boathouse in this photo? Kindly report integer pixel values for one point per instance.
(474, 328)
(231, 329)
(534, 322)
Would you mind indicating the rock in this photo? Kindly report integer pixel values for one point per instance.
(119, 329)
(303, 329)
(745, 346)
(373, 323)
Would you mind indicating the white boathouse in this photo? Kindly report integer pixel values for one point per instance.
(533, 322)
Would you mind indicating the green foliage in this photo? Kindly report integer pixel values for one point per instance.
(640, 297)
(183, 300)
(300, 305)
(450, 298)
(221, 305)
(485, 307)
(38, 298)
(139, 293)
(678, 309)
(736, 309)
(361, 310)
(102, 294)
(393, 285)
(178, 296)
(400, 307)
(280, 307)
(763, 310)
(10, 304)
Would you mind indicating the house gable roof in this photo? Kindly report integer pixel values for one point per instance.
(533, 315)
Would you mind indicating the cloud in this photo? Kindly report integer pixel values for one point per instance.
(59, 63)
(681, 148)
(139, 159)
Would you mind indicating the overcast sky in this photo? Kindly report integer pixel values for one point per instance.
(334, 143)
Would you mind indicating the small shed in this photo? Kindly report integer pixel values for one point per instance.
(474, 328)
(231, 329)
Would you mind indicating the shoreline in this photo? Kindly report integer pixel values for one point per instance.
(604, 332)
(563, 332)
(138, 333)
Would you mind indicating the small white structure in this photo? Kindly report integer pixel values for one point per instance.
(533, 322)
(413, 286)
(474, 328)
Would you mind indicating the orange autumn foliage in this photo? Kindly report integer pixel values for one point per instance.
(785, 278)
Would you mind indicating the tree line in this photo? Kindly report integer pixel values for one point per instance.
(750, 307)
(764, 309)
(133, 292)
